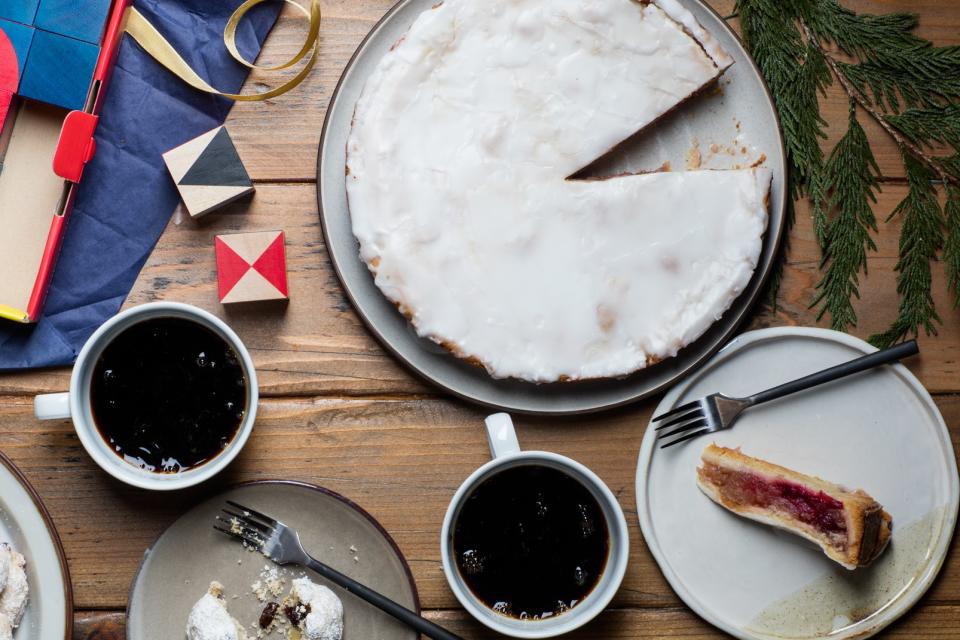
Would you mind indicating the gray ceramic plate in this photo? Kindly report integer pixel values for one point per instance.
(25, 523)
(735, 126)
(180, 565)
(879, 431)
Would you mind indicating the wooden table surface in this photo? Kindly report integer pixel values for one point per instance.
(338, 411)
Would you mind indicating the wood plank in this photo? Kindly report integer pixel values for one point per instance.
(317, 345)
(401, 459)
(934, 622)
(931, 622)
(99, 625)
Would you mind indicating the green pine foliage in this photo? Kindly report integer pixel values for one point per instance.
(908, 86)
(796, 73)
(929, 126)
(920, 239)
(850, 177)
(915, 75)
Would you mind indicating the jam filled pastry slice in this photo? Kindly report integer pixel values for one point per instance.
(850, 526)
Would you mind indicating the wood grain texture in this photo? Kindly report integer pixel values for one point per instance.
(401, 459)
(939, 622)
(340, 412)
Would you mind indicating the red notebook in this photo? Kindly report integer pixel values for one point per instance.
(46, 138)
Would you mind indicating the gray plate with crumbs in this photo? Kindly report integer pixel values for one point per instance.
(180, 565)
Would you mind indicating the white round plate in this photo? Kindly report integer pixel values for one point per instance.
(736, 125)
(879, 431)
(25, 524)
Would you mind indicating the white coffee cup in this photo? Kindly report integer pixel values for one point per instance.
(75, 404)
(507, 454)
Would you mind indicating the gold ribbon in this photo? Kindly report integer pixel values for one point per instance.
(153, 42)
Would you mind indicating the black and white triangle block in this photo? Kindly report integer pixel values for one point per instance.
(208, 172)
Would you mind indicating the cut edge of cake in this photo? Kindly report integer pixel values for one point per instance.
(867, 526)
(682, 16)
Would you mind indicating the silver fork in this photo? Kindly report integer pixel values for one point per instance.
(281, 544)
(717, 411)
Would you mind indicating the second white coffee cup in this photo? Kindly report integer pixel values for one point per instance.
(507, 454)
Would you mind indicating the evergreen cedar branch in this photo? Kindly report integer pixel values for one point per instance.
(912, 89)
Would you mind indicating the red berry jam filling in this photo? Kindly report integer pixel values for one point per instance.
(806, 505)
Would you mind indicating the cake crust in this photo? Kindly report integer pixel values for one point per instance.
(866, 526)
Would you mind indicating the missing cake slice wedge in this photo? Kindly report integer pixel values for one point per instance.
(850, 526)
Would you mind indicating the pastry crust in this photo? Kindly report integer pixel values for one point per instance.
(866, 526)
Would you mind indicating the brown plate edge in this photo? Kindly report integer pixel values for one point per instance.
(54, 536)
(741, 306)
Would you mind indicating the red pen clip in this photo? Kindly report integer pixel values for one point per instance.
(76, 146)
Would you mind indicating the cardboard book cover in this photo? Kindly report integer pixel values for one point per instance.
(55, 62)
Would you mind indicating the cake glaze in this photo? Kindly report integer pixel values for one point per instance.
(458, 159)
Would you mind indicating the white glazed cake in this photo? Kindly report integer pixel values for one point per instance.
(458, 163)
(210, 620)
(15, 590)
(318, 611)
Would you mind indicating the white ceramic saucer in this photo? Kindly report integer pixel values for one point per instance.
(879, 431)
(25, 523)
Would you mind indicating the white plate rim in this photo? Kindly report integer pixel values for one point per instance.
(53, 537)
(889, 614)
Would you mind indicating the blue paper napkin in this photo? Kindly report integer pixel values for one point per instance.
(126, 197)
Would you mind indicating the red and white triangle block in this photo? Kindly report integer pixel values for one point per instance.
(251, 267)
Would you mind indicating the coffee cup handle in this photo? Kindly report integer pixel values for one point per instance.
(52, 406)
(502, 435)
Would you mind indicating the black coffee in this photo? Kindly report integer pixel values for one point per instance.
(531, 542)
(168, 394)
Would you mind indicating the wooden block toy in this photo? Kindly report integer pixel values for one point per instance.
(59, 70)
(208, 172)
(251, 267)
(24, 11)
(81, 19)
(21, 37)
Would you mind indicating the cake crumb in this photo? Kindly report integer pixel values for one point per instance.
(269, 585)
